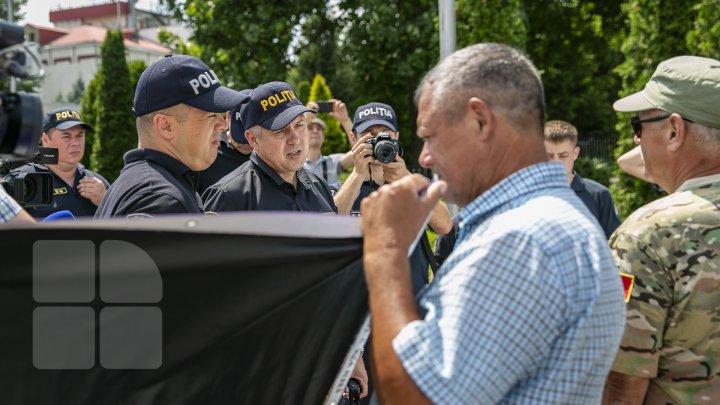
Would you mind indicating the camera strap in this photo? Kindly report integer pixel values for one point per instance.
(324, 164)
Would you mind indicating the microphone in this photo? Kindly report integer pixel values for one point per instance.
(60, 215)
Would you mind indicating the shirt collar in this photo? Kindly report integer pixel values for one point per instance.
(524, 181)
(301, 174)
(698, 182)
(577, 184)
(174, 166)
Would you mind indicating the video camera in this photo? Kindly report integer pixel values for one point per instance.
(21, 121)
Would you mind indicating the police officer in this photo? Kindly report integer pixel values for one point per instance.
(180, 107)
(75, 188)
(369, 174)
(233, 152)
(274, 178)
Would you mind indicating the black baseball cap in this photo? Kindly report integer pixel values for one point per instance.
(273, 106)
(237, 128)
(185, 79)
(63, 118)
(374, 114)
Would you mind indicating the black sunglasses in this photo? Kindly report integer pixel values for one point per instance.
(636, 123)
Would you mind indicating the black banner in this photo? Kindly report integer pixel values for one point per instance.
(241, 309)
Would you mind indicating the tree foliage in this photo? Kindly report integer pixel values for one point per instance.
(386, 47)
(656, 31)
(115, 130)
(246, 43)
(89, 106)
(77, 92)
(490, 21)
(335, 137)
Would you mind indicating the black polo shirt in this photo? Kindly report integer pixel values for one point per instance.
(153, 183)
(419, 260)
(256, 186)
(65, 196)
(599, 201)
(228, 159)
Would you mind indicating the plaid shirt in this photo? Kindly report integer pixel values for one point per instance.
(529, 306)
(9, 208)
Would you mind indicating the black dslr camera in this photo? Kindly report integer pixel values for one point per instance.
(21, 122)
(385, 148)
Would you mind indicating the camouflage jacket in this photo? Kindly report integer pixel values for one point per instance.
(669, 255)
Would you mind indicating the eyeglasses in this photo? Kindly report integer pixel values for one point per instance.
(636, 123)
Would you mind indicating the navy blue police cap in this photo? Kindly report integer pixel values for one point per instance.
(374, 114)
(185, 79)
(237, 128)
(63, 118)
(273, 106)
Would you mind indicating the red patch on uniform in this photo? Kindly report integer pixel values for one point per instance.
(628, 283)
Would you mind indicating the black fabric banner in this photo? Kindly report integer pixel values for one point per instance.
(241, 309)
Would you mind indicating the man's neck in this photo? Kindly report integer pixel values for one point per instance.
(703, 169)
(571, 177)
(313, 154)
(65, 171)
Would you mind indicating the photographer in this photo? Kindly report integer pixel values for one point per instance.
(11, 211)
(369, 174)
(75, 188)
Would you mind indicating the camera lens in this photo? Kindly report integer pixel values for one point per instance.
(385, 151)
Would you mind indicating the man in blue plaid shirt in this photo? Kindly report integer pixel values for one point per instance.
(529, 306)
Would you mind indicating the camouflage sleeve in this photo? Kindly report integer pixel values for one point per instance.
(641, 264)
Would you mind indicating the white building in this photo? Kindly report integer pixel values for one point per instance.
(71, 50)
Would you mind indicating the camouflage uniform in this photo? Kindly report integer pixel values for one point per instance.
(672, 332)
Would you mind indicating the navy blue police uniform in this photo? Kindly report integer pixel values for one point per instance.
(153, 182)
(65, 196)
(257, 186)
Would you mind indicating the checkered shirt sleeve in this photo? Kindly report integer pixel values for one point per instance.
(9, 208)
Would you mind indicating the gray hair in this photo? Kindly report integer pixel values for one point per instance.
(256, 130)
(707, 138)
(496, 73)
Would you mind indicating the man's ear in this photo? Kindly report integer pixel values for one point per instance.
(45, 139)
(164, 126)
(482, 117)
(251, 138)
(576, 151)
(352, 136)
(676, 138)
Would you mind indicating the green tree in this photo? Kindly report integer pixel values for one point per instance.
(574, 45)
(246, 43)
(115, 130)
(77, 92)
(135, 69)
(704, 38)
(88, 111)
(657, 31)
(335, 137)
(385, 48)
(490, 21)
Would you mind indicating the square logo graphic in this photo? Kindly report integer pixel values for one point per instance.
(65, 332)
